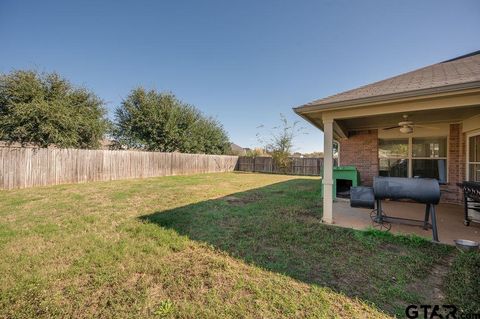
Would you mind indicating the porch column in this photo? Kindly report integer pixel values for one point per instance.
(327, 179)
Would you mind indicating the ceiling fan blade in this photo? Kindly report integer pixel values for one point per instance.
(391, 127)
(428, 127)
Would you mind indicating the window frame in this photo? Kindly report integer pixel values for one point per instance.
(467, 154)
(407, 157)
(411, 158)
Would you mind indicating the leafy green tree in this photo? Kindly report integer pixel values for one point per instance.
(159, 121)
(45, 109)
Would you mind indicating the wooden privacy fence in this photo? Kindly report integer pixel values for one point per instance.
(299, 166)
(28, 167)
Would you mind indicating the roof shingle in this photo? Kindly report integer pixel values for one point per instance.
(459, 70)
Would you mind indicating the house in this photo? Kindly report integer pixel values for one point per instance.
(422, 123)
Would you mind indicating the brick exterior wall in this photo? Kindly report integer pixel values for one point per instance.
(361, 151)
(456, 162)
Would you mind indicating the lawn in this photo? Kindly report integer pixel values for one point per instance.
(203, 246)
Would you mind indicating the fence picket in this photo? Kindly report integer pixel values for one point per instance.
(28, 167)
(299, 166)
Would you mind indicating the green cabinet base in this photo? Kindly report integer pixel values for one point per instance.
(349, 173)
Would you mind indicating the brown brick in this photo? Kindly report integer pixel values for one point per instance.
(361, 151)
(451, 193)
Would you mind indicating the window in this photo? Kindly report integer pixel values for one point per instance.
(429, 158)
(393, 157)
(473, 160)
(413, 157)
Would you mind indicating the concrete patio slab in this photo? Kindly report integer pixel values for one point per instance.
(449, 219)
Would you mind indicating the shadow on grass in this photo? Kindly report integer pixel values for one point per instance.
(278, 227)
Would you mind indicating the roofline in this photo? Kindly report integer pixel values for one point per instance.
(385, 98)
(336, 135)
(462, 56)
(306, 118)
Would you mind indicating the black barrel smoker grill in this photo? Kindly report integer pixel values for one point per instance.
(420, 190)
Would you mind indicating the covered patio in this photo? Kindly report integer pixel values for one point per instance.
(449, 220)
(420, 124)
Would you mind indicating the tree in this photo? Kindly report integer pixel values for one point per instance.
(159, 121)
(46, 109)
(280, 138)
(279, 142)
(256, 152)
(313, 155)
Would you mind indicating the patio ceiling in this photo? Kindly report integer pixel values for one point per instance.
(418, 117)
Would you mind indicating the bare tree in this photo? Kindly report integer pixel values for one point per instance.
(278, 141)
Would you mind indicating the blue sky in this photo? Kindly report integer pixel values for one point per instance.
(243, 62)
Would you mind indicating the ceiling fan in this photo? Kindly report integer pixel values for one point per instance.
(406, 126)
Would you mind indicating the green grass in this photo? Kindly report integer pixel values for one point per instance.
(463, 282)
(203, 246)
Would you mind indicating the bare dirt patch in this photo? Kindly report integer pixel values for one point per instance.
(398, 250)
(307, 215)
(243, 200)
(432, 286)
